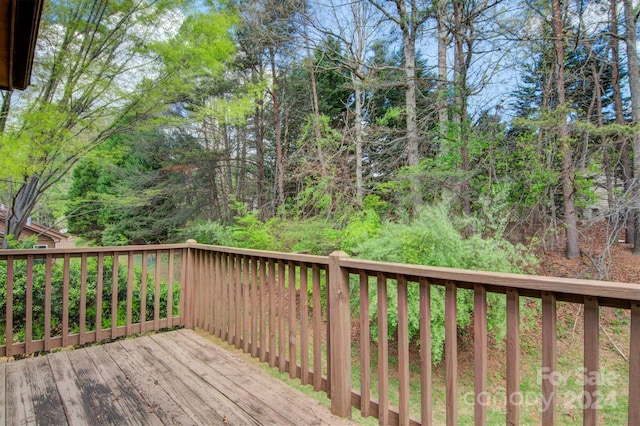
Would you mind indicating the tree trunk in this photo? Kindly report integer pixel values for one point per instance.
(634, 88)
(568, 172)
(260, 175)
(359, 126)
(625, 158)
(408, 25)
(21, 207)
(6, 107)
(278, 136)
(443, 41)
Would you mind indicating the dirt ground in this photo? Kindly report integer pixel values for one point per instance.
(617, 263)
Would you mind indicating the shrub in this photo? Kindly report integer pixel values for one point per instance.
(432, 239)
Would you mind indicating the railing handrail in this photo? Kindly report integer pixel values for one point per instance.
(18, 254)
(267, 254)
(612, 294)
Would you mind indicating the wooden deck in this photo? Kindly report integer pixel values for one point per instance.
(178, 377)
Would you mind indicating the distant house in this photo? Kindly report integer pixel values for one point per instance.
(47, 237)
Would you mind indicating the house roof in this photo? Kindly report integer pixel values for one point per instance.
(35, 228)
(19, 23)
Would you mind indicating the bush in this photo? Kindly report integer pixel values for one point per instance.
(432, 239)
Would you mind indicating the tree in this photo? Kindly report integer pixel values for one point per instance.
(633, 70)
(409, 15)
(354, 27)
(98, 73)
(137, 188)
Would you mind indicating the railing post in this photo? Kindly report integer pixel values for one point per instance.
(189, 287)
(340, 336)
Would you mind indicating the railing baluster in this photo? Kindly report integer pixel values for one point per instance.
(591, 360)
(246, 297)
(316, 319)
(365, 347)
(425, 353)
(129, 307)
(224, 283)
(403, 350)
(233, 270)
(205, 295)
(9, 307)
(211, 297)
(513, 357)
(282, 337)
(83, 299)
(99, 291)
(383, 352)
(185, 292)
(47, 302)
(292, 321)
(156, 293)
(272, 315)
(549, 363)
(28, 331)
(143, 293)
(263, 309)
(65, 300)
(304, 325)
(634, 366)
(480, 353)
(238, 299)
(451, 353)
(217, 301)
(253, 289)
(172, 254)
(114, 298)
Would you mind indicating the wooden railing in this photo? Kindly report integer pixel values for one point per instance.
(300, 313)
(61, 297)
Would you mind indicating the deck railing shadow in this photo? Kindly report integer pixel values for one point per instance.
(298, 313)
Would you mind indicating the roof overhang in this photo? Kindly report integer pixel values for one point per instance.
(19, 23)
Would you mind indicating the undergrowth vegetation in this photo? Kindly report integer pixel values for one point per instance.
(431, 238)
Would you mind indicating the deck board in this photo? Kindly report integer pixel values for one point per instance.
(178, 377)
(46, 400)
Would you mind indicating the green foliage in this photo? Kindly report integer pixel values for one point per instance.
(432, 239)
(133, 189)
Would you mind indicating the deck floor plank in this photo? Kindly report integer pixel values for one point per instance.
(227, 412)
(187, 393)
(19, 404)
(3, 406)
(245, 400)
(46, 399)
(290, 402)
(121, 390)
(76, 406)
(173, 378)
(148, 387)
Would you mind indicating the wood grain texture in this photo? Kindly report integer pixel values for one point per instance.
(513, 357)
(481, 359)
(634, 367)
(451, 353)
(549, 358)
(365, 346)
(426, 404)
(591, 360)
(340, 327)
(178, 377)
(403, 350)
(383, 351)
